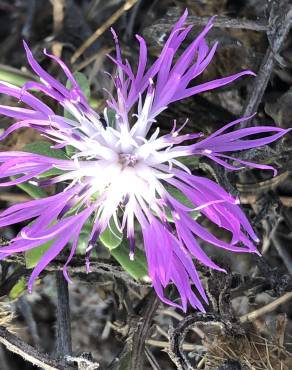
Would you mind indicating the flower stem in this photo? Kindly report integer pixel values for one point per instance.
(63, 330)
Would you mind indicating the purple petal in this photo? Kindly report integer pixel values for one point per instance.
(249, 164)
(20, 113)
(25, 97)
(49, 255)
(42, 73)
(211, 85)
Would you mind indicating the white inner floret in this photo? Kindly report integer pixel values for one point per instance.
(120, 167)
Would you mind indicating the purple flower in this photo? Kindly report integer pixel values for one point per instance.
(127, 174)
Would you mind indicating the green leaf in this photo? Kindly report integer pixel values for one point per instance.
(70, 150)
(83, 238)
(111, 237)
(15, 76)
(44, 148)
(18, 288)
(111, 116)
(32, 256)
(33, 191)
(137, 268)
(192, 161)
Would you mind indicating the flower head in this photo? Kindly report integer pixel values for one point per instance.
(128, 173)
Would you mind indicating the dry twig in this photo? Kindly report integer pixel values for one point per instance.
(127, 6)
(280, 23)
(266, 309)
(29, 353)
(58, 15)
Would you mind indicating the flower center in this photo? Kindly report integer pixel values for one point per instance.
(128, 160)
